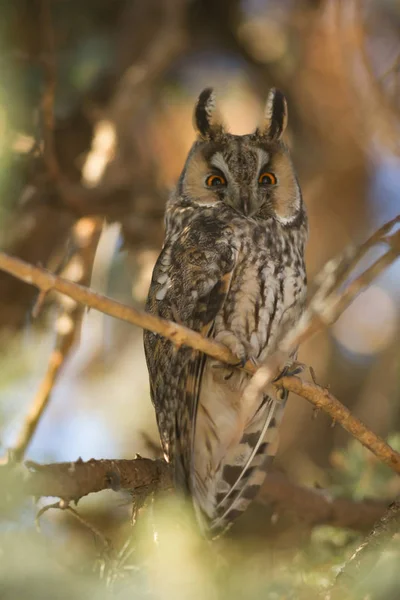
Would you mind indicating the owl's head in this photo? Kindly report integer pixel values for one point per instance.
(252, 173)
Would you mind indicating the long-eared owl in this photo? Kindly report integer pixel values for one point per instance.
(231, 268)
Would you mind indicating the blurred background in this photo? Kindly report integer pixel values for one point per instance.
(126, 76)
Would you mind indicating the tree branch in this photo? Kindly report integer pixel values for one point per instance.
(84, 239)
(325, 307)
(328, 303)
(142, 476)
(321, 398)
(72, 481)
(317, 316)
(178, 334)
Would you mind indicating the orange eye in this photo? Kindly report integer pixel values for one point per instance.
(215, 181)
(267, 179)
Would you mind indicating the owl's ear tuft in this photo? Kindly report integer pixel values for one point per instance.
(206, 117)
(275, 115)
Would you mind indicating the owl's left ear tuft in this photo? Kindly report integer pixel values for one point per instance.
(275, 116)
(206, 118)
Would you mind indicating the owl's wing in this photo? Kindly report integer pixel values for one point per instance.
(190, 283)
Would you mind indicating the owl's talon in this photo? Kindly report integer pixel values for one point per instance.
(293, 369)
(227, 377)
(240, 364)
(242, 350)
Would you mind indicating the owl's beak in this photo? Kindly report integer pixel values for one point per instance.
(246, 205)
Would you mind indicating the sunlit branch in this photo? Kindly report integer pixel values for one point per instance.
(322, 312)
(84, 239)
(142, 476)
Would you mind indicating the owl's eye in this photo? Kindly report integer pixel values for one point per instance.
(267, 179)
(215, 181)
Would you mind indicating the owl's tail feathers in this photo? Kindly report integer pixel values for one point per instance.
(245, 469)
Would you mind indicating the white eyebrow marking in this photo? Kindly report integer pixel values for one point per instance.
(219, 162)
(263, 158)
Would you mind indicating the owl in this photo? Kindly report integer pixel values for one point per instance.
(231, 268)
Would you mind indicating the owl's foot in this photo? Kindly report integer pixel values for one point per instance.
(242, 350)
(295, 368)
(273, 368)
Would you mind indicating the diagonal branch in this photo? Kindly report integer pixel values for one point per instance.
(85, 237)
(321, 398)
(320, 314)
(178, 334)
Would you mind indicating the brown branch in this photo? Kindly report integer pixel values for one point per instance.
(84, 240)
(321, 398)
(72, 481)
(142, 476)
(327, 304)
(180, 335)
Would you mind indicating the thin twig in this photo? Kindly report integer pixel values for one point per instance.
(326, 310)
(84, 239)
(364, 559)
(377, 237)
(392, 69)
(63, 505)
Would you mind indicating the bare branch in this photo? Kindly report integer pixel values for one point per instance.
(325, 309)
(311, 322)
(321, 398)
(72, 481)
(327, 304)
(178, 334)
(84, 240)
(379, 236)
(142, 476)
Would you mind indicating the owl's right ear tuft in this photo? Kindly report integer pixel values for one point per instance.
(275, 116)
(206, 118)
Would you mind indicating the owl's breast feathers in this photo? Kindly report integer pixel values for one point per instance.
(229, 277)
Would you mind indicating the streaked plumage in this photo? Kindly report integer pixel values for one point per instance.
(232, 268)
